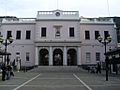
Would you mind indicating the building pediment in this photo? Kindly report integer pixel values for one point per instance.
(58, 15)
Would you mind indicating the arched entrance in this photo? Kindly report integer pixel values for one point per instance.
(71, 57)
(57, 57)
(43, 57)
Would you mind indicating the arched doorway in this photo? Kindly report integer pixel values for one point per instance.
(43, 57)
(57, 57)
(71, 57)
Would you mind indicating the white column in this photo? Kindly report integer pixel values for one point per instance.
(50, 56)
(65, 57)
(78, 56)
(36, 56)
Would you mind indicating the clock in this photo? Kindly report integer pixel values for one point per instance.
(57, 13)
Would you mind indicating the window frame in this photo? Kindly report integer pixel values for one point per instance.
(87, 35)
(97, 33)
(97, 56)
(27, 56)
(88, 57)
(43, 31)
(57, 31)
(9, 34)
(106, 34)
(72, 32)
(28, 34)
(18, 35)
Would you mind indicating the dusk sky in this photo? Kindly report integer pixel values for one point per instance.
(86, 8)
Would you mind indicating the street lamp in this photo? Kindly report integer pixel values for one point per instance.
(6, 42)
(105, 42)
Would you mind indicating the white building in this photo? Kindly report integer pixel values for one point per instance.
(57, 38)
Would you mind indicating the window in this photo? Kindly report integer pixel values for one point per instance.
(88, 58)
(43, 32)
(27, 56)
(9, 34)
(106, 34)
(71, 31)
(96, 34)
(97, 56)
(17, 55)
(87, 35)
(28, 34)
(57, 31)
(18, 35)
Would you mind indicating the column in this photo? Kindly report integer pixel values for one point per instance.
(65, 57)
(50, 56)
(36, 56)
(78, 56)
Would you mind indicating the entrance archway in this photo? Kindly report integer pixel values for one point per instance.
(57, 57)
(71, 57)
(43, 57)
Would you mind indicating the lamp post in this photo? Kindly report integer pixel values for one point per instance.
(105, 41)
(6, 42)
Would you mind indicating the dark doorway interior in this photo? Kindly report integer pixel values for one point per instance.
(43, 57)
(71, 57)
(57, 57)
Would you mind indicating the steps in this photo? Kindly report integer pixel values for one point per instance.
(56, 69)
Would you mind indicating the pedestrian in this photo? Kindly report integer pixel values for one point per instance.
(13, 64)
(3, 67)
(11, 72)
(8, 71)
(93, 70)
(98, 68)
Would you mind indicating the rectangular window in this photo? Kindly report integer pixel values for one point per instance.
(18, 35)
(9, 34)
(97, 56)
(17, 55)
(28, 34)
(43, 32)
(87, 35)
(71, 31)
(106, 34)
(88, 57)
(27, 56)
(57, 31)
(96, 34)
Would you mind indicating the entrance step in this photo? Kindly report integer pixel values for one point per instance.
(56, 69)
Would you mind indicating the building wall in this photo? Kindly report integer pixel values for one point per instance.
(64, 30)
(22, 46)
(93, 45)
(64, 41)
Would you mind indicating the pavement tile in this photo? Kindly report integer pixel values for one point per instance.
(60, 80)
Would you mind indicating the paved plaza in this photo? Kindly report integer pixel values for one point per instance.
(60, 79)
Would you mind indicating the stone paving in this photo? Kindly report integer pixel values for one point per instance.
(70, 78)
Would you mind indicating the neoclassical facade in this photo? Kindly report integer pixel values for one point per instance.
(57, 38)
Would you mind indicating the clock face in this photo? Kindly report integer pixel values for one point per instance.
(57, 14)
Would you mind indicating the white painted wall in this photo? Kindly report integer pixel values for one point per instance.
(93, 45)
(64, 31)
(21, 45)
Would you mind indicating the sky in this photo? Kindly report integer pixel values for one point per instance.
(86, 8)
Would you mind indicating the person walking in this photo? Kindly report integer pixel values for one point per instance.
(3, 67)
(11, 71)
(98, 68)
(8, 71)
